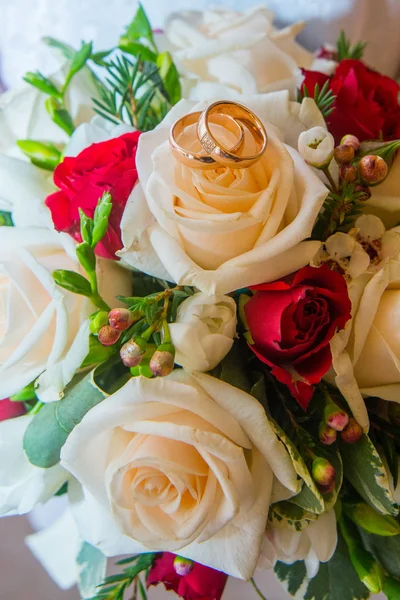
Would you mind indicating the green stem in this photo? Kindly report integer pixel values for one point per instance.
(257, 589)
(36, 408)
(330, 179)
(99, 302)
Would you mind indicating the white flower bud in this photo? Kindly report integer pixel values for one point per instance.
(316, 146)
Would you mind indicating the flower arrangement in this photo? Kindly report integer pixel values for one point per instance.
(200, 296)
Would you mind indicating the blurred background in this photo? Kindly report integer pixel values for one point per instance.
(23, 23)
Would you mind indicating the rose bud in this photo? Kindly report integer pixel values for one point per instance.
(352, 433)
(316, 147)
(183, 566)
(133, 351)
(348, 173)
(335, 417)
(350, 140)
(343, 154)
(323, 472)
(162, 361)
(97, 321)
(120, 318)
(108, 336)
(363, 191)
(372, 169)
(327, 435)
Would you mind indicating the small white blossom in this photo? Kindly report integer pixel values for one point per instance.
(316, 147)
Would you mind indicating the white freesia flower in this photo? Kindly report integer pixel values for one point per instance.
(366, 354)
(22, 485)
(316, 147)
(220, 50)
(182, 463)
(23, 114)
(224, 229)
(314, 544)
(203, 331)
(43, 328)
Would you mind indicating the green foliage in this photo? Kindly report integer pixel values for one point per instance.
(97, 352)
(114, 587)
(170, 77)
(288, 515)
(324, 98)
(6, 219)
(111, 375)
(385, 549)
(335, 580)
(42, 154)
(346, 50)
(42, 83)
(340, 210)
(386, 150)
(26, 394)
(92, 566)
(140, 28)
(101, 217)
(59, 114)
(73, 282)
(50, 428)
(78, 61)
(65, 50)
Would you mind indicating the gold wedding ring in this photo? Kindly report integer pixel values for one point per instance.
(201, 160)
(229, 156)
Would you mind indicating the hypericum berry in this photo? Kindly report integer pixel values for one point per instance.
(327, 435)
(97, 321)
(372, 169)
(343, 154)
(162, 361)
(133, 351)
(335, 417)
(350, 140)
(352, 433)
(348, 173)
(120, 318)
(108, 336)
(327, 489)
(183, 566)
(323, 472)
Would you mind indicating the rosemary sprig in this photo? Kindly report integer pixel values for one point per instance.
(338, 212)
(324, 97)
(346, 50)
(114, 587)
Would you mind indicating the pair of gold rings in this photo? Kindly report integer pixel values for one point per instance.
(233, 117)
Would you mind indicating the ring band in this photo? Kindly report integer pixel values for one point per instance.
(200, 160)
(239, 113)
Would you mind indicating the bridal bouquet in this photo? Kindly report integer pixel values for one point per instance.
(200, 312)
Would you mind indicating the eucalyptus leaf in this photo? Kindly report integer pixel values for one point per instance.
(335, 580)
(92, 566)
(51, 426)
(365, 470)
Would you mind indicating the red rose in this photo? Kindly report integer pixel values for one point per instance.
(291, 325)
(105, 167)
(9, 409)
(202, 583)
(366, 102)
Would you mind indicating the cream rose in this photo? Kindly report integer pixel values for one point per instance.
(223, 229)
(203, 331)
(44, 330)
(22, 485)
(180, 463)
(220, 50)
(366, 354)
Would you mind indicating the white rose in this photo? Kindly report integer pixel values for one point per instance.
(23, 114)
(224, 229)
(203, 331)
(366, 354)
(220, 50)
(314, 544)
(177, 463)
(43, 328)
(22, 485)
(316, 146)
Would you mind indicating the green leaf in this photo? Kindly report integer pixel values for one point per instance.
(98, 57)
(26, 394)
(285, 514)
(66, 50)
(86, 227)
(50, 428)
(365, 471)
(346, 50)
(73, 282)
(137, 49)
(78, 62)
(100, 219)
(43, 84)
(86, 257)
(59, 115)
(387, 150)
(97, 352)
(232, 368)
(140, 27)
(42, 154)
(335, 580)
(6, 219)
(92, 566)
(111, 375)
(170, 77)
(385, 549)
